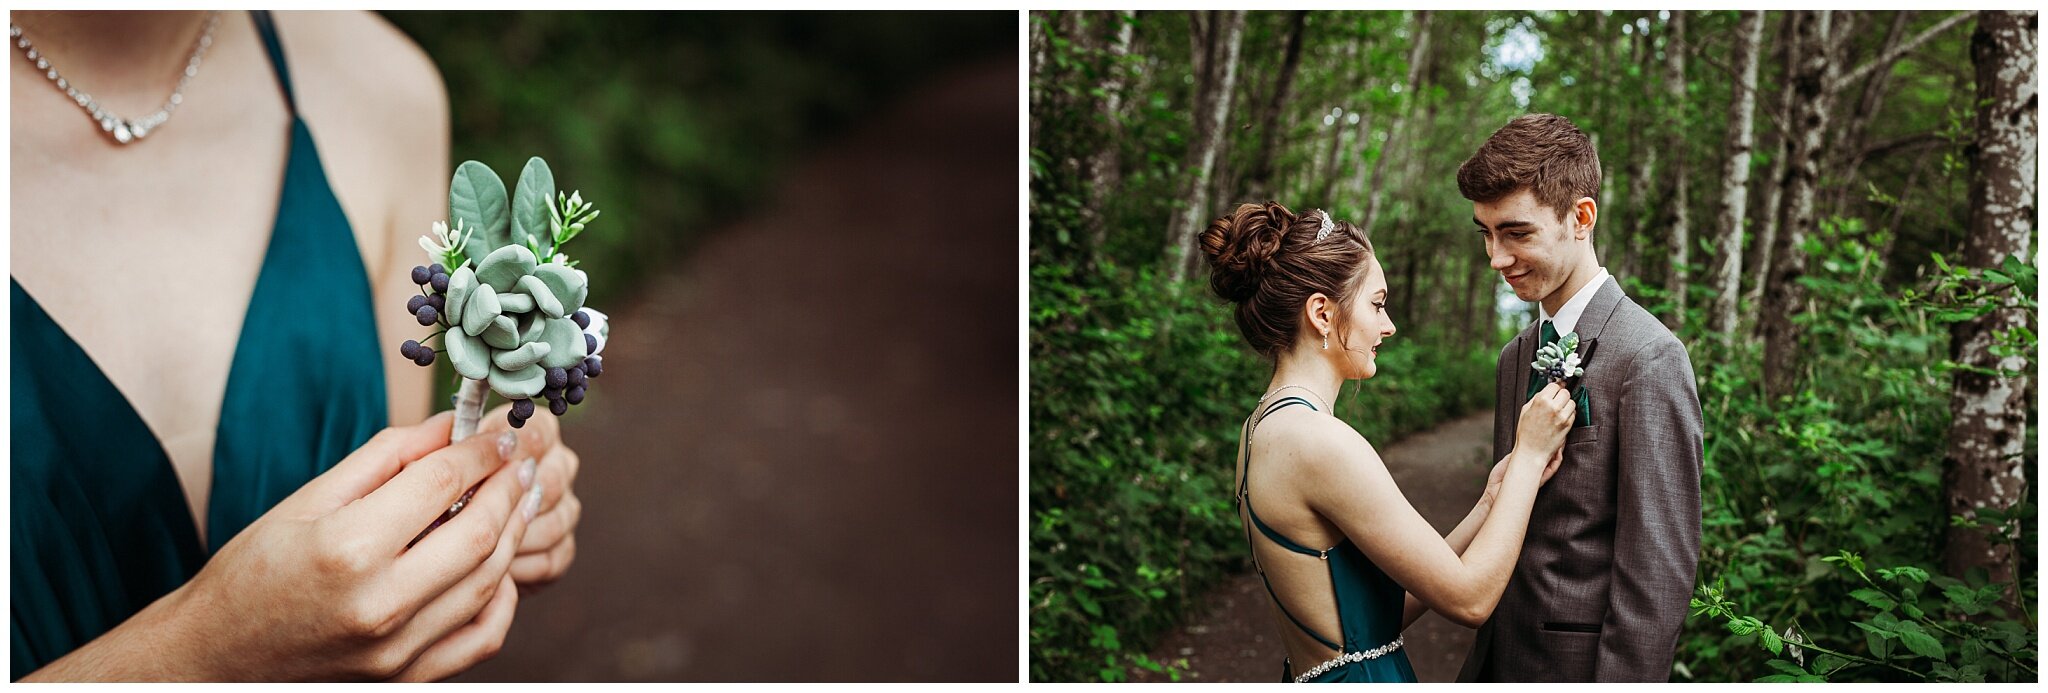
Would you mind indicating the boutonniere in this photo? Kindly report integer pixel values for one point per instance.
(507, 302)
(1560, 360)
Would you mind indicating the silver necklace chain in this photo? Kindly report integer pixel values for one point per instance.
(1303, 388)
(121, 130)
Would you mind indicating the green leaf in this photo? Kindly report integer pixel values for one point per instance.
(1878, 641)
(1771, 642)
(1874, 598)
(477, 197)
(530, 204)
(1917, 640)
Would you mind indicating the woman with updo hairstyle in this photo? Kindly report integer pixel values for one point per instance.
(1348, 561)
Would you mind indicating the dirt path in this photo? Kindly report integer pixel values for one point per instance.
(801, 462)
(1442, 471)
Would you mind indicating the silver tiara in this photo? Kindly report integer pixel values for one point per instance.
(1324, 231)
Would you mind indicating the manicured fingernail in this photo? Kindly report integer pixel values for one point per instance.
(505, 444)
(526, 473)
(532, 503)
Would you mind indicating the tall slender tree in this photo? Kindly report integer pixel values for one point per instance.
(1987, 436)
(1105, 165)
(1225, 34)
(1813, 69)
(1727, 274)
(1772, 212)
(1679, 232)
(1417, 54)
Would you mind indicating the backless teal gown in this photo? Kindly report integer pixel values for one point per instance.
(100, 525)
(1368, 600)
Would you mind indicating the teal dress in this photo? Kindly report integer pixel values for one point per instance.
(1369, 602)
(100, 524)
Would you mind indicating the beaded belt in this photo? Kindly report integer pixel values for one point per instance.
(1349, 658)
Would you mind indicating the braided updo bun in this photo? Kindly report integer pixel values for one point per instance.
(1265, 259)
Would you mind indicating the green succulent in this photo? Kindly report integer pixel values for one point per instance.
(508, 313)
(509, 321)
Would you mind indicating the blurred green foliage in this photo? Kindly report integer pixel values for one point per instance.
(677, 122)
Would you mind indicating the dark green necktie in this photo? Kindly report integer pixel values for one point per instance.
(1537, 380)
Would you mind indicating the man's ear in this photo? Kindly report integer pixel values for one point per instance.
(1584, 213)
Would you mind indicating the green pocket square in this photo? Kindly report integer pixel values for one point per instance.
(1584, 400)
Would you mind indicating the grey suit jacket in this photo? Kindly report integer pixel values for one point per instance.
(1606, 570)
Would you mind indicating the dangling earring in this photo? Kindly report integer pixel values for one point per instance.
(1326, 340)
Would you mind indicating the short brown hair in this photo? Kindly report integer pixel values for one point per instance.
(1266, 259)
(1542, 152)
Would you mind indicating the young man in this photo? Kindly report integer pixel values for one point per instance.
(1606, 570)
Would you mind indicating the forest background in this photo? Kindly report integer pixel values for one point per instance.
(1835, 211)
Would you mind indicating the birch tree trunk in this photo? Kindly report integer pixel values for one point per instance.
(1680, 231)
(1987, 436)
(1213, 108)
(1418, 53)
(1105, 165)
(1727, 274)
(1784, 298)
(1773, 186)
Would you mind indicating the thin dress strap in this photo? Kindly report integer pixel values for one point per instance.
(268, 30)
(1244, 498)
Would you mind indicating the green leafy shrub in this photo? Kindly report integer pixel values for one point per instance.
(1797, 493)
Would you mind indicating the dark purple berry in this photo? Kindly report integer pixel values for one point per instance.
(440, 282)
(436, 268)
(575, 395)
(420, 274)
(522, 408)
(513, 418)
(589, 343)
(582, 320)
(593, 366)
(576, 377)
(439, 302)
(410, 349)
(427, 315)
(412, 305)
(558, 378)
(559, 407)
(425, 357)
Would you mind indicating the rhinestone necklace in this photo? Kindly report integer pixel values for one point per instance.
(121, 130)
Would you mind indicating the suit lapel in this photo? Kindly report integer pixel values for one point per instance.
(1599, 310)
(1525, 353)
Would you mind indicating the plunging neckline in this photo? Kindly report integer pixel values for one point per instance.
(192, 514)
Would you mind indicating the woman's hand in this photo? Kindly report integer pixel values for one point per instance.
(322, 586)
(550, 543)
(1545, 420)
